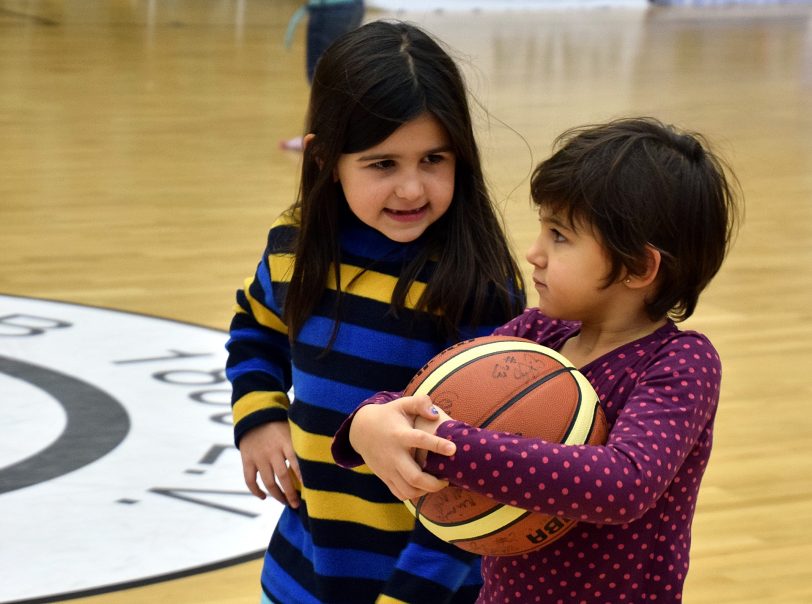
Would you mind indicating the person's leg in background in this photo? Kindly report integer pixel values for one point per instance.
(327, 20)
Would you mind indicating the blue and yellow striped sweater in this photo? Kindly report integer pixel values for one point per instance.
(351, 540)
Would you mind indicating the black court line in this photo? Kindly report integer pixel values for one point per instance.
(82, 398)
(96, 424)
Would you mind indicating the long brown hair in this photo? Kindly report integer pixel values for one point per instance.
(366, 85)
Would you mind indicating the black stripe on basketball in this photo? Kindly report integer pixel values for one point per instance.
(521, 395)
(493, 532)
(576, 410)
(595, 418)
(419, 505)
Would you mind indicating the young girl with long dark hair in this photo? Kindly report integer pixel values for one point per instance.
(392, 251)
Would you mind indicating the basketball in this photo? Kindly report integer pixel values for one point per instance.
(505, 384)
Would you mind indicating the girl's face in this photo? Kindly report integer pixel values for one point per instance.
(404, 183)
(569, 269)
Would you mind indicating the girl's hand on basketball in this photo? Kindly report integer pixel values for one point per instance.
(386, 439)
(428, 423)
(430, 420)
(268, 450)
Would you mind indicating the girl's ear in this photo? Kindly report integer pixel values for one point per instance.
(653, 258)
(307, 140)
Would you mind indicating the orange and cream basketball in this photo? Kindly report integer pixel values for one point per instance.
(505, 384)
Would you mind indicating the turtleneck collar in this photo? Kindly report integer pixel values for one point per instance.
(362, 240)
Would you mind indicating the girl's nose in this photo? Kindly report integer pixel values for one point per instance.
(535, 253)
(410, 187)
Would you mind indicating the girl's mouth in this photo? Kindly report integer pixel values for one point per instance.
(407, 215)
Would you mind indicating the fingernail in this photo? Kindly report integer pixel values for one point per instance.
(434, 411)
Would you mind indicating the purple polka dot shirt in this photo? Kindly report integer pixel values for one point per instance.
(634, 497)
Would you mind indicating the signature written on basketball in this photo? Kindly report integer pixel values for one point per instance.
(517, 367)
(452, 504)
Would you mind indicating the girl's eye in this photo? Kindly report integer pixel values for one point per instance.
(384, 164)
(557, 236)
(434, 158)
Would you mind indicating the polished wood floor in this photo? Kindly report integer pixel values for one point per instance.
(140, 169)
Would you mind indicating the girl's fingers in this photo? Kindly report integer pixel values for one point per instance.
(251, 483)
(430, 442)
(273, 489)
(416, 482)
(289, 493)
(420, 405)
(293, 463)
(403, 488)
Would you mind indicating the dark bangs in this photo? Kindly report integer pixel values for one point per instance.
(380, 110)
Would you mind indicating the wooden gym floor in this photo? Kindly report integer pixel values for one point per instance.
(140, 170)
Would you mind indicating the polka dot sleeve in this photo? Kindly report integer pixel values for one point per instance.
(661, 397)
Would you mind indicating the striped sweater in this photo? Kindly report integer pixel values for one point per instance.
(350, 540)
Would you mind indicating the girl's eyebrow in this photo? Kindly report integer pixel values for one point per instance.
(380, 156)
(548, 216)
(558, 221)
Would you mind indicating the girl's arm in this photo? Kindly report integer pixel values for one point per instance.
(383, 436)
(664, 421)
(384, 439)
(258, 368)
